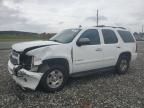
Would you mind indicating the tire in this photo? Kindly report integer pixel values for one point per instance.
(54, 78)
(123, 64)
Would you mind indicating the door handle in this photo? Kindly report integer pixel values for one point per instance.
(118, 47)
(99, 49)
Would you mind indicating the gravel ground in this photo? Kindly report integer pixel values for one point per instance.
(101, 90)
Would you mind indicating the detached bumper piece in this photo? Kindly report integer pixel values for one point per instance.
(24, 78)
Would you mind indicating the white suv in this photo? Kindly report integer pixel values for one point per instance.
(73, 52)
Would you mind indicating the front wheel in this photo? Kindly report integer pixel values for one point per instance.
(54, 78)
(122, 65)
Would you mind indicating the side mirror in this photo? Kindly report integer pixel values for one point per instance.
(83, 41)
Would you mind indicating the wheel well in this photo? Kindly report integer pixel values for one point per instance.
(57, 61)
(126, 54)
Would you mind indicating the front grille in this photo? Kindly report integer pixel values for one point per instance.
(26, 61)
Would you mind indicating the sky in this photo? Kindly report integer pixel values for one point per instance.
(55, 15)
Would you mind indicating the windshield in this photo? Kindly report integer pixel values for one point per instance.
(65, 36)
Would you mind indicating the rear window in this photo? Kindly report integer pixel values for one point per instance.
(126, 36)
(109, 36)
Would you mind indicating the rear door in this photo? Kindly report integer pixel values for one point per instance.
(110, 47)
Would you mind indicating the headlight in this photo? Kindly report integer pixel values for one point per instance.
(36, 61)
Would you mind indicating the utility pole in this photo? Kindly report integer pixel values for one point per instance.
(97, 17)
(142, 28)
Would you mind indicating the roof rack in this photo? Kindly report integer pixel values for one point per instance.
(110, 26)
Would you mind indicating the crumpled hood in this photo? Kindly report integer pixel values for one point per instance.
(24, 45)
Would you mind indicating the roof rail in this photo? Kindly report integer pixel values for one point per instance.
(110, 26)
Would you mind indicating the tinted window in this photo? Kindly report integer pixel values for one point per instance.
(92, 35)
(109, 36)
(126, 36)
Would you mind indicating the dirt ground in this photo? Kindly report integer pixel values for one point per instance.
(102, 90)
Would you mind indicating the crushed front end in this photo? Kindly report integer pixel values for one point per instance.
(22, 71)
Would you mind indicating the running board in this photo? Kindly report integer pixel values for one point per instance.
(90, 72)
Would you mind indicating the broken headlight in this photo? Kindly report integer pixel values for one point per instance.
(36, 61)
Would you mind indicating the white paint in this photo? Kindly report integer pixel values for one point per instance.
(23, 45)
(84, 57)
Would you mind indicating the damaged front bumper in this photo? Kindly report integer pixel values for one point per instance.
(24, 78)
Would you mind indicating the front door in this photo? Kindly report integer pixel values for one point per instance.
(88, 56)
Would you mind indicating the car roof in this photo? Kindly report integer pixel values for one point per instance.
(105, 27)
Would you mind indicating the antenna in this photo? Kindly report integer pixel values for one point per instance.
(97, 17)
(80, 26)
(142, 28)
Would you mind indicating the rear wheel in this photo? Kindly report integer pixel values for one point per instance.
(123, 64)
(54, 78)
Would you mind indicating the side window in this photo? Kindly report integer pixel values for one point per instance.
(92, 35)
(109, 36)
(126, 36)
